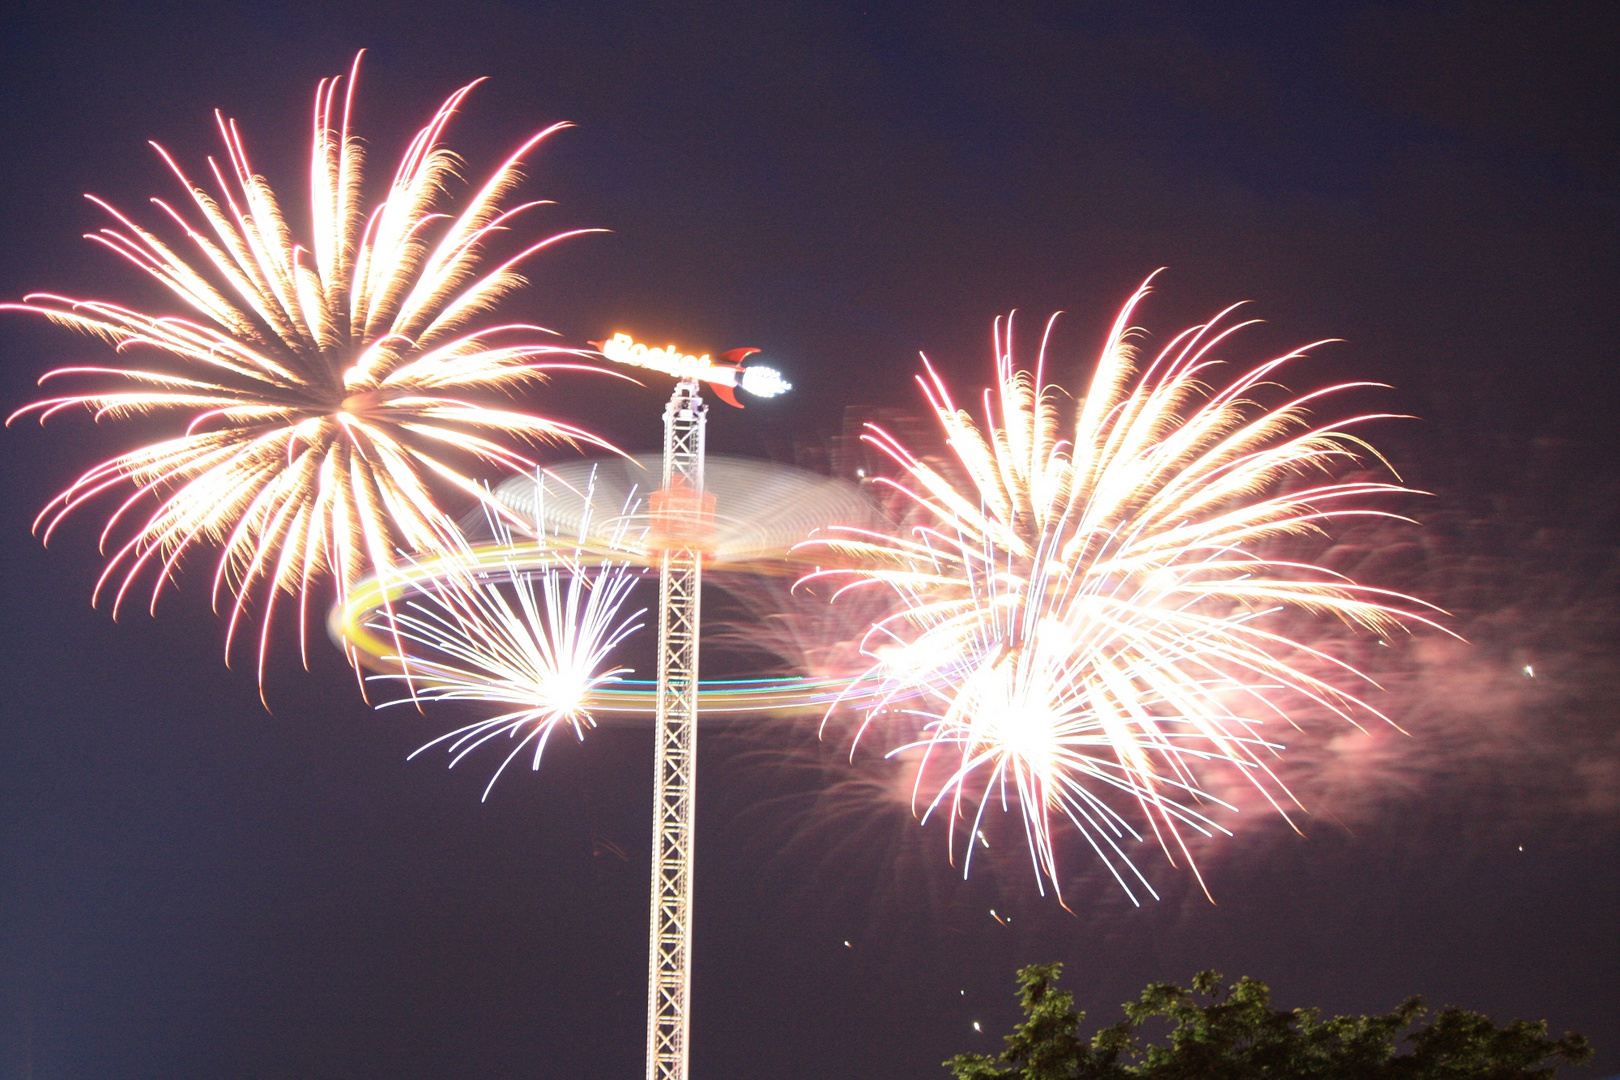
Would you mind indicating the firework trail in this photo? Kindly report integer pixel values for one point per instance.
(1091, 623)
(323, 384)
(531, 633)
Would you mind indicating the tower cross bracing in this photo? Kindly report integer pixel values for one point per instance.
(678, 521)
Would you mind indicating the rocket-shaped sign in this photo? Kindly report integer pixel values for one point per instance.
(726, 374)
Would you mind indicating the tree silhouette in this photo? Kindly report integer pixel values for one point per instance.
(1231, 1032)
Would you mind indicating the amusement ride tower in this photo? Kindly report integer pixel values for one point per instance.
(764, 509)
(682, 511)
(677, 525)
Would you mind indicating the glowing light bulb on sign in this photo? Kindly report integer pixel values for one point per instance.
(725, 375)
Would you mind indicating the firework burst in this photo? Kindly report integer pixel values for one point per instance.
(325, 388)
(531, 632)
(1090, 624)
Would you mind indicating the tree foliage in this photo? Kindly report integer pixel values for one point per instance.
(1231, 1032)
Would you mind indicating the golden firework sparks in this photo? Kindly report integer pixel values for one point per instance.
(1091, 622)
(326, 387)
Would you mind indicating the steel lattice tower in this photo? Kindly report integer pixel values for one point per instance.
(678, 520)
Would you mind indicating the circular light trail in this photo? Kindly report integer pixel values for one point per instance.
(761, 511)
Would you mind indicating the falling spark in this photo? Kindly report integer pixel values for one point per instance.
(1088, 623)
(536, 642)
(326, 385)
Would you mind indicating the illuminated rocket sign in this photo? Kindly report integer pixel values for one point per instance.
(725, 375)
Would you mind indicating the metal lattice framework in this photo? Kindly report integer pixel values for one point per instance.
(764, 509)
(679, 516)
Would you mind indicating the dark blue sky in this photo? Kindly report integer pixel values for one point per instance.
(192, 887)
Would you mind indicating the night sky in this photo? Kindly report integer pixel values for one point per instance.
(191, 886)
